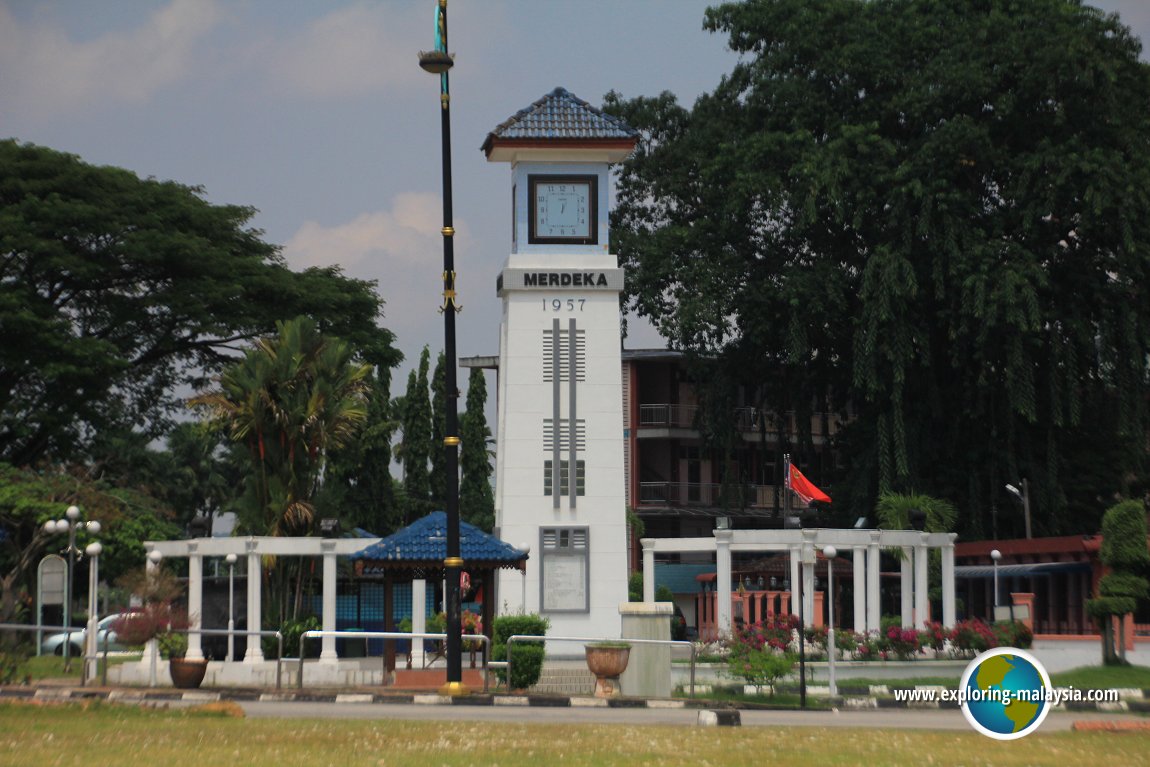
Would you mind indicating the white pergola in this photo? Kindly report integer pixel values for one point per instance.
(802, 545)
(254, 547)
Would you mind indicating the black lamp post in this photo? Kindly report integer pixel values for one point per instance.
(438, 62)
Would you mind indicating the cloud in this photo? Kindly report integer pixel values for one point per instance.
(45, 73)
(350, 52)
(401, 248)
(372, 243)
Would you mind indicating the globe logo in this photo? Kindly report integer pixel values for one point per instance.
(1005, 693)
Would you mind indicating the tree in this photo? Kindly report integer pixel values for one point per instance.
(416, 441)
(358, 487)
(30, 498)
(951, 239)
(116, 290)
(476, 500)
(291, 399)
(1125, 557)
(437, 479)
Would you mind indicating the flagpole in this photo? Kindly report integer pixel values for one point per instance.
(786, 488)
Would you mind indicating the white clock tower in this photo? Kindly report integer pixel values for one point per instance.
(559, 466)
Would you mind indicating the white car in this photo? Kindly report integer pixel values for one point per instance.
(54, 644)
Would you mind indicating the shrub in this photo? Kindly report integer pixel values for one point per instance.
(753, 654)
(934, 636)
(1012, 634)
(291, 630)
(902, 642)
(971, 637)
(526, 659)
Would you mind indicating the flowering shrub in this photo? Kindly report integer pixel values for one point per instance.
(971, 637)
(1012, 634)
(934, 636)
(902, 642)
(758, 653)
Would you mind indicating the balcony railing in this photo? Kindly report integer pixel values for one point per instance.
(678, 416)
(746, 419)
(674, 494)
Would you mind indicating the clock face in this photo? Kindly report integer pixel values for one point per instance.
(563, 209)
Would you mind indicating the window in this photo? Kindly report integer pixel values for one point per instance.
(564, 477)
(564, 586)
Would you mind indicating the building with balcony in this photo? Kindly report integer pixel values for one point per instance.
(678, 486)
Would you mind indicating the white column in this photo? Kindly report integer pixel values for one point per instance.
(648, 545)
(921, 584)
(327, 653)
(148, 659)
(948, 596)
(796, 555)
(858, 555)
(873, 583)
(255, 653)
(906, 586)
(418, 619)
(808, 561)
(723, 581)
(195, 602)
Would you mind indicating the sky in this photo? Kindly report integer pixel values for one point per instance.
(317, 114)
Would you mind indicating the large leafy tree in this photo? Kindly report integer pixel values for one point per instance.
(476, 500)
(114, 290)
(937, 214)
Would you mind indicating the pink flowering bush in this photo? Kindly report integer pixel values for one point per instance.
(934, 636)
(902, 642)
(758, 653)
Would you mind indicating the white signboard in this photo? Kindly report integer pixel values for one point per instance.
(53, 571)
(564, 583)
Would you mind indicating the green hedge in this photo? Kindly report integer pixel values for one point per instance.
(526, 658)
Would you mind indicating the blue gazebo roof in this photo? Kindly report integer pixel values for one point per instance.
(423, 545)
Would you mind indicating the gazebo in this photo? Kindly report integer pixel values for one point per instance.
(416, 553)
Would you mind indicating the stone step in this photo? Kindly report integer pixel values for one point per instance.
(564, 680)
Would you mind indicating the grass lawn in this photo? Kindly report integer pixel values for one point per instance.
(52, 667)
(98, 734)
(1103, 677)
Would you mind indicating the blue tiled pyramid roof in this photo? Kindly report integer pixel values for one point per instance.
(425, 542)
(561, 115)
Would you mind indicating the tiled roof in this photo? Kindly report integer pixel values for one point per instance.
(425, 542)
(561, 115)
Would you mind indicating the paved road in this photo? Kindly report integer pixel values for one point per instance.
(880, 718)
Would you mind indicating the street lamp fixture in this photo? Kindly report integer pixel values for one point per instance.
(1022, 495)
(71, 524)
(830, 552)
(995, 555)
(93, 551)
(439, 62)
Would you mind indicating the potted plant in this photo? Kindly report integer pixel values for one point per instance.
(186, 674)
(472, 623)
(168, 626)
(607, 661)
(159, 619)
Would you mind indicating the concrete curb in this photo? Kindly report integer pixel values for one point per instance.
(1131, 700)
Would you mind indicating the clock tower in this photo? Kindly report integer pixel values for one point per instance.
(560, 484)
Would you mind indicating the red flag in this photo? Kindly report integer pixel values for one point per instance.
(804, 488)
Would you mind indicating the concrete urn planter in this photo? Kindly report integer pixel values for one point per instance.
(607, 662)
(187, 674)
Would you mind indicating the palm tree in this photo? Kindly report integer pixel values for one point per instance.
(292, 398)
